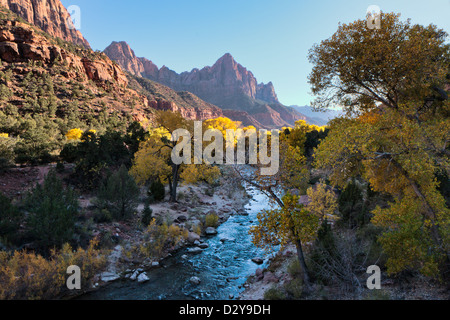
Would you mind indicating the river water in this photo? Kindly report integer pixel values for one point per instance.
(223, 267)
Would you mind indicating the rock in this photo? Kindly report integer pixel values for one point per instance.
(143, 278)
(51, 16)
(155, 264)
(210, 231)
(195, 250)
(203, 245)
(181, 219)
(135, 275)
(195, 281)
(192, 237)
(269, 277)
(197, 243)
(109, 276)
(184, 256)
(258, 260)
(258, 272)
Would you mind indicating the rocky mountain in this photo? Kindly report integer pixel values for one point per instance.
(319, 118)
(38, 70)
(226, 84)
(49, 15)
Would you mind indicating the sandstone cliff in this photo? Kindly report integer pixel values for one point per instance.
(49, 15)
(226, 84)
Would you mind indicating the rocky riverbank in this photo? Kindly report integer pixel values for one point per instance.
(195, 202)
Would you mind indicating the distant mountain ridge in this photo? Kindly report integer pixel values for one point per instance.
(226, 84)
(320, 118)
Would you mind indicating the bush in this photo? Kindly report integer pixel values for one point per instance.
(103, 216)
(161, 238)
(211, 220)
(52, 211)
(119, 195)
(147, 216)
(48, 280)
(351, 206)
(274, 294)
(157, 191)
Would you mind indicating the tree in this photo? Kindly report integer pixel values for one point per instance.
(52, 211)
(289, 221)
(154, 158)
(323, 202)
(120, 194)
(7, 154)
(10, 218)
(391, 81)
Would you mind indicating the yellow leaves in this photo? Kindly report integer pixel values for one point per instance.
(194, 173)
(74, 134)
(323, 202)
(161, 238)
(151, 161)
(222, 124)
(29, 276)
(4, 135)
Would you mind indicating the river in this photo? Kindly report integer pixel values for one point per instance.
(223, 267)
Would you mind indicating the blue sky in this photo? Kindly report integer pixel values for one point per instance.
(270, 38)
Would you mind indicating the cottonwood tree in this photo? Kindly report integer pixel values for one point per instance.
(154, 159)
(391, 83)
(288, 221)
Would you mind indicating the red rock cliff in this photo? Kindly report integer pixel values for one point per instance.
(49, 15)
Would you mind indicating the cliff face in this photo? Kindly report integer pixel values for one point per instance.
(49, 15)
(226, 84)
(217, 84)
(20, 43)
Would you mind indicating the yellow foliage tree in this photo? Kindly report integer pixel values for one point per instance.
(74, 134)
(392, 80)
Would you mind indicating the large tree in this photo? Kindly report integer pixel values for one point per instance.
(392, 84)
(154, 159)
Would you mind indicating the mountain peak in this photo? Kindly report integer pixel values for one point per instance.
(51, 16)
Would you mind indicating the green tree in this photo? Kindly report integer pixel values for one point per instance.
(52, 210)
(10, 218)
(120, 194)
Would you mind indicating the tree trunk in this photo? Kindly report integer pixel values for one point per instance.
(175, 176)
(301, 260)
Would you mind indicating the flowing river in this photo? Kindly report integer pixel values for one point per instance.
(223, 267)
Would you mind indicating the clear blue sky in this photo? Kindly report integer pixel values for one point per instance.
(270, 38)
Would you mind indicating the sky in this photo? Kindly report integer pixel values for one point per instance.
(271, 38)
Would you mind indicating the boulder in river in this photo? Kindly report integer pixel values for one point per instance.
(195, 281)
(143, 277)
(258, 260)
(195, 250)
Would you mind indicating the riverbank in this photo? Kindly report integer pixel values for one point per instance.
(224, 199)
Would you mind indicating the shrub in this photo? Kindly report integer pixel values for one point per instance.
(119, 195)
(211, 220)
(147, 215)
(157, 190)
(103, 216)
(28, 276)
(161, 238)
(274, 294)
